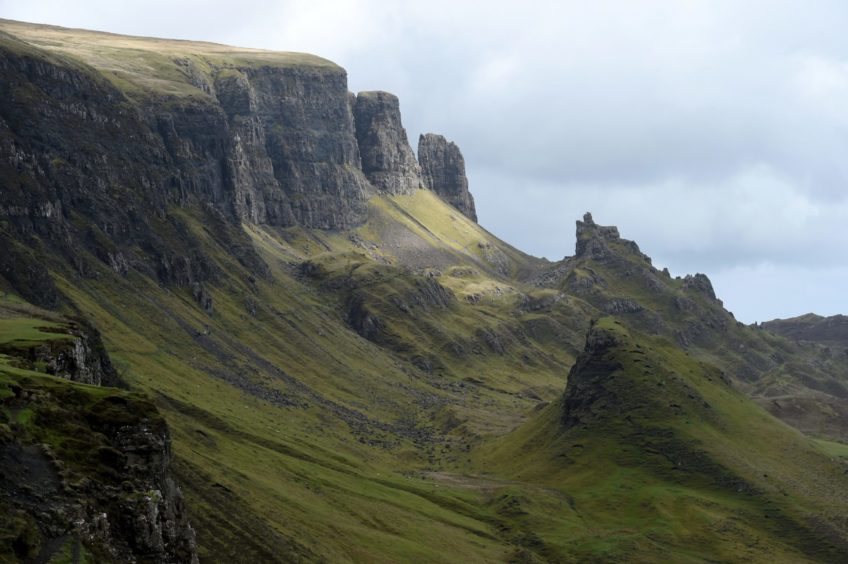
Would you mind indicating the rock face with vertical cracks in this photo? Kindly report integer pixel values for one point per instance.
(121, 168)
(88, 164)
(387, 158)
(89, 474)
(443, 171)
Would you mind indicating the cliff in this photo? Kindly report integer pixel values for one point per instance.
(84, 470)
(443, 171)
(387, 158)
(98, 152)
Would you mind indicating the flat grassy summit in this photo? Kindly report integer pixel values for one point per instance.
(154, 65)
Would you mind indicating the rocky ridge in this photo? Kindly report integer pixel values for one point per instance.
(829, 331)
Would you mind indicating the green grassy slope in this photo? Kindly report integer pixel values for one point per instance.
(297, 437)
(801, 384)
(303, 433)
(657, 453)
(148, 66)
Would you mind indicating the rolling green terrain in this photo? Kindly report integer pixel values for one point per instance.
(408, 389)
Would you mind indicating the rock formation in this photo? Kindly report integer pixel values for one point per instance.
(443, 171)
(247, 143)
(113, 499)
(387, 158)
(593, 240)
(80, 357)
(262, 144)
(89, 472)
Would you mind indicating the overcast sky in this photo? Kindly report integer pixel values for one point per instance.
(714, 133)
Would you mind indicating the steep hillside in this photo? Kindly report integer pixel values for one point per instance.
(348, 364)
(85, 470)
(805, 386)
(656, 453)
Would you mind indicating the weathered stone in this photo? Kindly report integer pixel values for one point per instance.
(603, 243)
(387, 158)
(443, 172)
(701, 284)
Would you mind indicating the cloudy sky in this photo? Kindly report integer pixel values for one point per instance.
(714, 133)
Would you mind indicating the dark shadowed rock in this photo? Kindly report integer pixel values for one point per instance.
(387, 158)
(701, 284)
(595, 240)
(443, 172)
(93, 472)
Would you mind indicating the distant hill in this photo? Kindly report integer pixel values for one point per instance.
(830, 331)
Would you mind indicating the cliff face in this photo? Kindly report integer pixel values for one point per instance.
(387, 158)
(87, 473)
(443, 170)
(89, 166)
(78, 355)
(101, 159)
(266, 145)
(83, 469)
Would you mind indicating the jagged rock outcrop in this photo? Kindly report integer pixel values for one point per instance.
(79, 356)
(443, 172)
(387, 158)
(594, 241)
(89, 474)
(586, 378)
(701, 284)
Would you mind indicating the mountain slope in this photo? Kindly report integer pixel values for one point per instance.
(612, 274)
(657, 453)
(350, 366)
(830, 331)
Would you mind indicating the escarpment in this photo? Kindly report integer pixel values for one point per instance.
(101, 160)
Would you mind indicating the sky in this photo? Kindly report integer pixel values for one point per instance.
(713, 133)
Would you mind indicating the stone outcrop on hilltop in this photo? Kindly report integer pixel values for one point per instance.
(593, 240)
(443, 171)
(387, 158)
